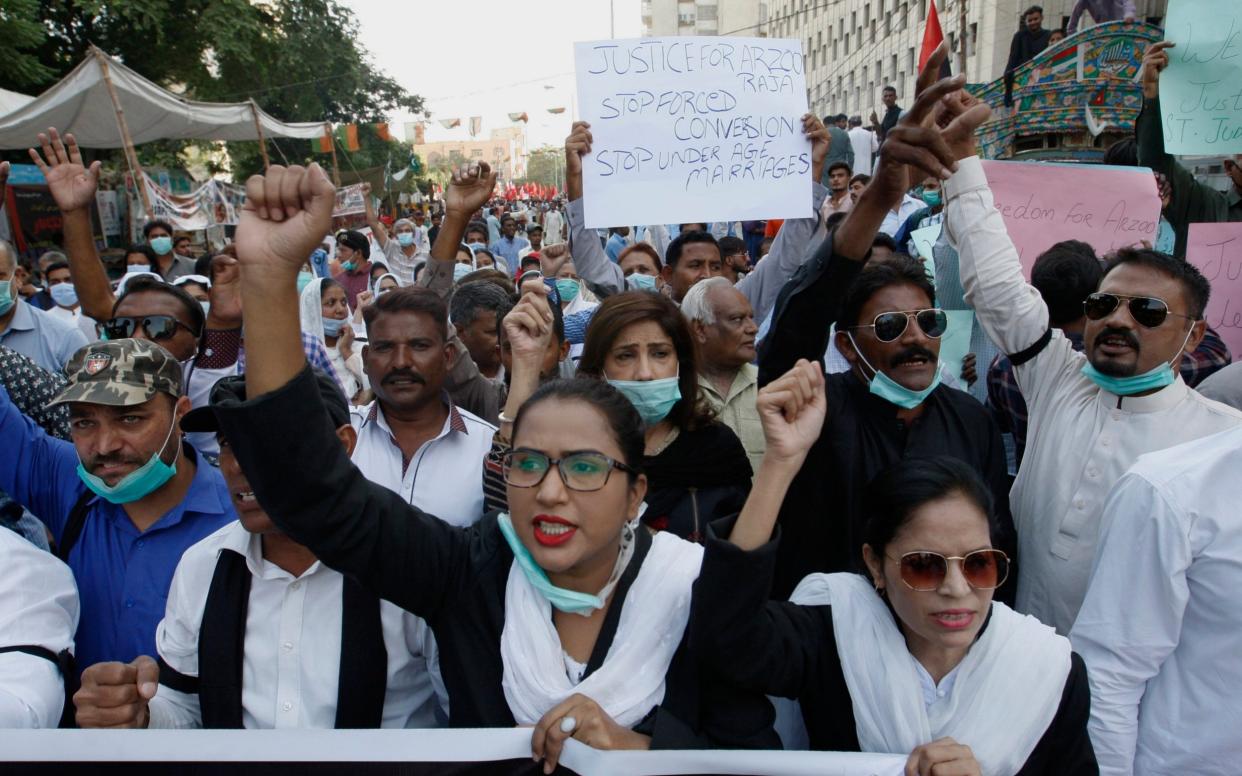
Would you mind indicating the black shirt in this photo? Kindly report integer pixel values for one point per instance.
(452, 577)
(789, 650)
(862, 434)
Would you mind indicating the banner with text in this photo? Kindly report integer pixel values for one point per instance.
(693, 129)
(1216, 249)
(1201, 89)
(1044, 203)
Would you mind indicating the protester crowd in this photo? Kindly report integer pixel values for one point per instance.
(698, 485)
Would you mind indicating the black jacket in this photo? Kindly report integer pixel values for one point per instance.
(785, 649)
(862, 435)
(702, 476)
(454, 578)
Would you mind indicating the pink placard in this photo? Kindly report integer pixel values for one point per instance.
(1216, 249)
(1044, 203)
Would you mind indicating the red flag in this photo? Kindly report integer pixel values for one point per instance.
(932, 36)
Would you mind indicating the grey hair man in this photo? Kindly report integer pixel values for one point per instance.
(724, 329)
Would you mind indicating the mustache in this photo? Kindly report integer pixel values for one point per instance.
(912, 352)
(105, 460)
(1125, 334)
(403, 374)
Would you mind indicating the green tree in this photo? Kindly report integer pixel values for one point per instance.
(545, 166)
(20, 67)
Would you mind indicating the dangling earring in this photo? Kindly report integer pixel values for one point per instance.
(879, 589)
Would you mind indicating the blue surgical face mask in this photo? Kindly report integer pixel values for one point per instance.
(567, 288)
(477, 246)
(304, 279)
(139, 483)
(1154, 379)
(569, 601)
(405, 239)
(349, 266)
(206, 305)
(931, 198)
(332, 326)
(7, 300)
(161, 245)
(890, 390)
(654, 399)
(460, 271)
(133, 269)
(64, 294)
(637, 282)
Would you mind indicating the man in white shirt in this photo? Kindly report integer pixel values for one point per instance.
(1160, 626)
(897, 216)
(38, 617)
(258, 634)
(402, 254)
(67, 307)
(865, 144)
(1092, 413)
(412, 439)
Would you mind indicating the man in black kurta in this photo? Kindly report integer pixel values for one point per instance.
(862, 433)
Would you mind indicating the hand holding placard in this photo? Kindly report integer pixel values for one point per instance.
(1201, 88)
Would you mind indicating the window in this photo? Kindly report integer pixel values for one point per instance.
(476, 153)
(847, 44)
(873, 30)
(973, 41)
(706, 12)
(910, 59)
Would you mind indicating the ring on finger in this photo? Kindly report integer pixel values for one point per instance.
(568, 724)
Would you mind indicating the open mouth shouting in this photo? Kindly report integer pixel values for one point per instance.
(553, 531)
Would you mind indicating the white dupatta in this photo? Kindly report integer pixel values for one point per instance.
(630, 682)
(1006, 694)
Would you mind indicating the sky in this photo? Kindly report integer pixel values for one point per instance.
(487, 57)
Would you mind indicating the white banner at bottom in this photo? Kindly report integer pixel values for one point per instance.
(57, 749)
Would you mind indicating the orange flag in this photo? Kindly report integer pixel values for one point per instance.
(351, 137)
(325, 143)
(382, 131)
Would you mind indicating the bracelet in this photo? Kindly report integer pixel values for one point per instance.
(502, 418)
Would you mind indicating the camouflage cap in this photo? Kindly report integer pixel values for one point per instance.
(120, 373)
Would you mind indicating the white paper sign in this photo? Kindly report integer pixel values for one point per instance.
(693, 129)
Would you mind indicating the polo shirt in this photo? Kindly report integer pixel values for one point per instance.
(43, 338)
(123, 574)
(444, 477)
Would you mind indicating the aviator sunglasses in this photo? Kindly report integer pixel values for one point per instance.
(925, 571)
(891, 325)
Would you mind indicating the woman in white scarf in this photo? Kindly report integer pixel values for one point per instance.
(325, 313)
(914, 657)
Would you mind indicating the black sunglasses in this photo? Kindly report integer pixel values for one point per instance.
(891, 325)
(157, 327)
(1147, 311)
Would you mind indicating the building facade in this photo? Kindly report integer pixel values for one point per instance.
(744, 18)
(854, 48)
(504, 149)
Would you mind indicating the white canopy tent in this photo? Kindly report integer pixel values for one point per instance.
(11, 101)
(83, 103)
(107, 105)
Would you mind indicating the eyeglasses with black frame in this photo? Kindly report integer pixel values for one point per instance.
(1147, 311)
(582, 470)
(157, 327)
(888, 326)
(924, 571)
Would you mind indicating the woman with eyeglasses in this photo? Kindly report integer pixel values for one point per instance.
(561, 613)
(697, 469)
(324, 312)
(910, 656)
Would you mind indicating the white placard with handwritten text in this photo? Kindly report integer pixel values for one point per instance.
(692, 129)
